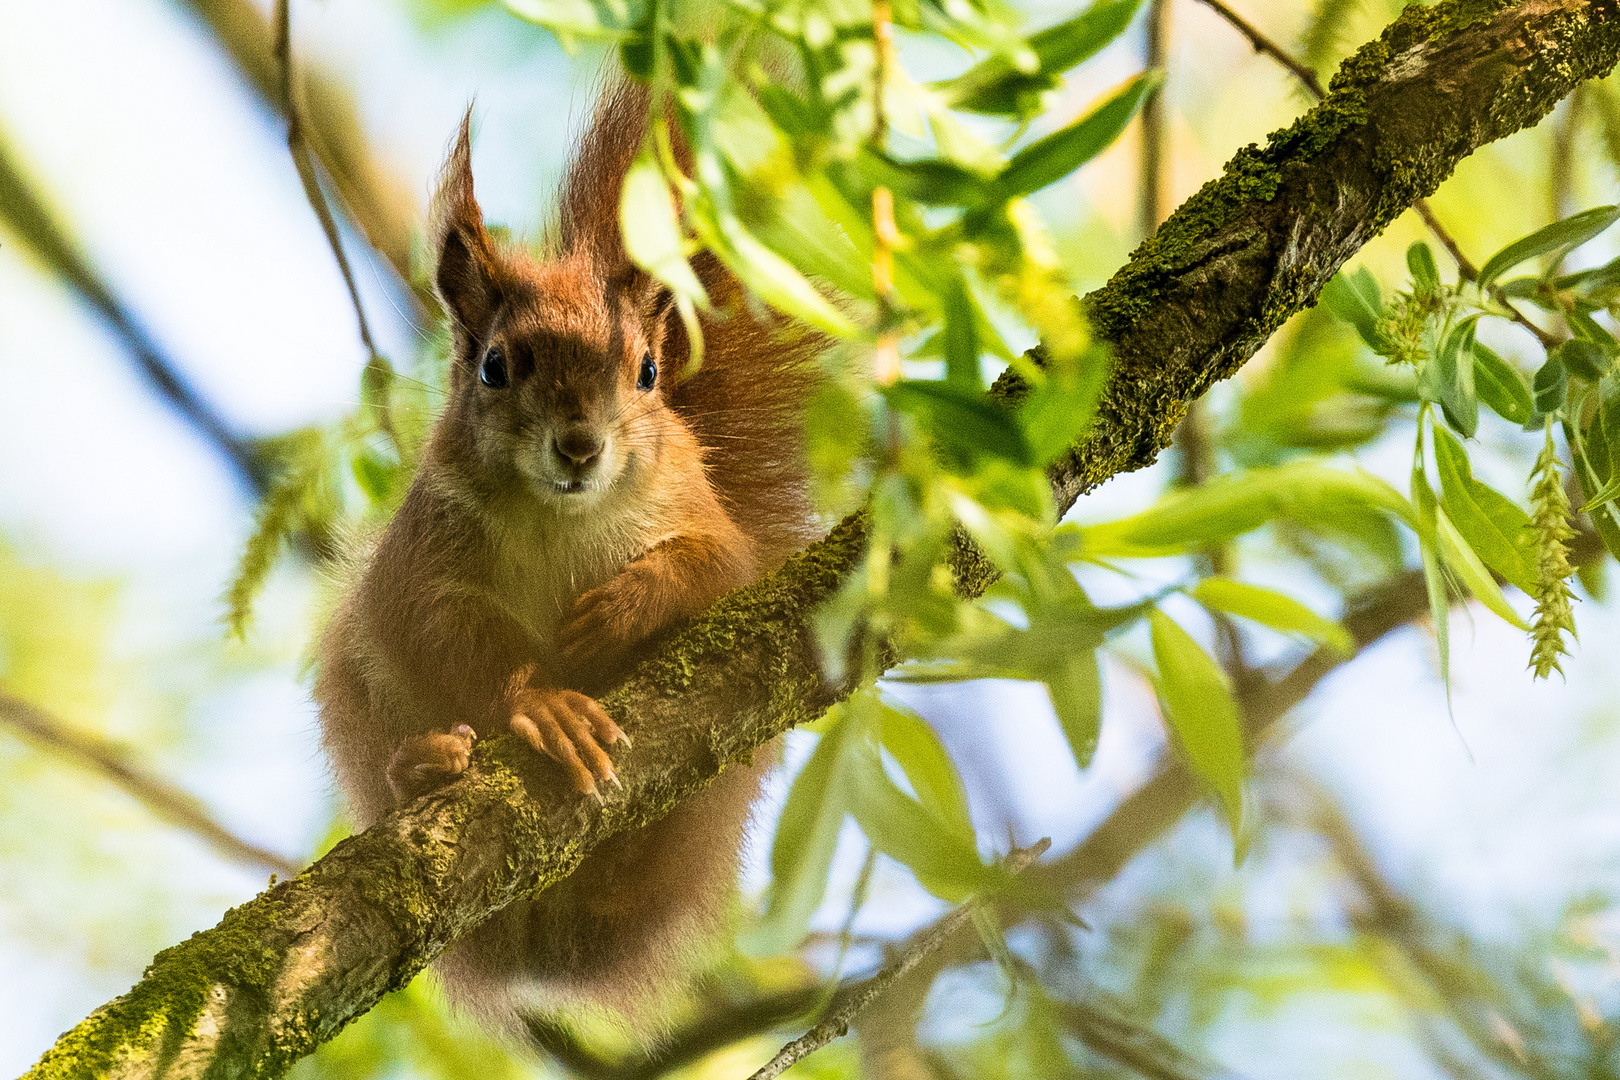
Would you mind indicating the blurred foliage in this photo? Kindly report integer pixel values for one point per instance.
(897, 214)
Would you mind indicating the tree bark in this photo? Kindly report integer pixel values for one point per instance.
(286, 971)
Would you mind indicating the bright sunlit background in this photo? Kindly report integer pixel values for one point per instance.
(120, 529)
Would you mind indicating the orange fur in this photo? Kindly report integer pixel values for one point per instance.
(558, 526)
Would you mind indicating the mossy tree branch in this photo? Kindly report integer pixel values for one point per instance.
(286, 971)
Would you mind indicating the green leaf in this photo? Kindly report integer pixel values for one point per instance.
(1593, 468)
(944, 862)
(930, 181)
(1425, 275)
(586, 18)
(1559, 236)
(1433, 580)
(1488, 521)
(1453, 377)
(1584, 358)
(652, 235)
(996, 86)
(1500, 386)
(806, 837)
(961, 338)
(1466, 564)
(1355, 298)
(1060, 153)
(968, 424)
(1074, 683)
(1272, 609)
(1229, 506)
(928, 768)
(1058, 413)
(1550, 387)
(374, 474)
(1199, 707)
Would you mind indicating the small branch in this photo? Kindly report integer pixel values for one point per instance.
(304, 161)
(690, 1044)
(1266, 46)
(848, 1003)
(168, 802)
(1107, 1032)
(1150, 199)
(380, 204)
(1465, 265)
(26, 214)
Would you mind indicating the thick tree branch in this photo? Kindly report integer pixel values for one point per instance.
(286, 971)
(161, 797)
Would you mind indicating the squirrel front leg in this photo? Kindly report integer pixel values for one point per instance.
(669, 583)
(463, 660)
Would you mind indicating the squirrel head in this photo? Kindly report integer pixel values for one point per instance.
(555, 383)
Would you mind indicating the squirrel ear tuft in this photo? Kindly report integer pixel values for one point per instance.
(468, 272)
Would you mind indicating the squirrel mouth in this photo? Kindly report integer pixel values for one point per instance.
(568, 487)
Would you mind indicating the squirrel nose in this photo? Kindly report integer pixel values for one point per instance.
(579, 446)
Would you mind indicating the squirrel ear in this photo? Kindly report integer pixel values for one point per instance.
(588, 202)
(468, 272)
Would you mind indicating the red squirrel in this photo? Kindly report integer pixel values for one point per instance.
(577, 500)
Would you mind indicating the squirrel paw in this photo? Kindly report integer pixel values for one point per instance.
(424, 762)
(607, 622)
(572, 730)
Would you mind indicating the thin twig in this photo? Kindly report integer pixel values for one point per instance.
(1107, 1032)
(1465, 267)
(849, 1002)
(304, 161)
(161, 797)
(1150, 199)
(27, 215)
(716, 1031)
(1263, 44)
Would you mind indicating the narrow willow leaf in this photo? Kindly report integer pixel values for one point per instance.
(1559, 236)
(1058, 413)
(961, 338)
(1199, 706)
(1454, 377)
(1433, 579)
(1060, 153)
(1304, 491)
(968, 424)
(1500, 386)
(1272, 609)
(1468, 567)
(1425, 275)
(996, 86)
(1593, 469)
(1550, 388)
(652, 235)
(1074, 683)
(1489, 522)
(928, 768)
(944, 863)
(584, 18)
(806, 838)
(1355, 298)
(780, 285)
(931, 182)
(1585, 359)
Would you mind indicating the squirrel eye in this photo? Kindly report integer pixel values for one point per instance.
(493, 371)
(649, 373)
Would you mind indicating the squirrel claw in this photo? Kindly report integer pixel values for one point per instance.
(426, 761)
